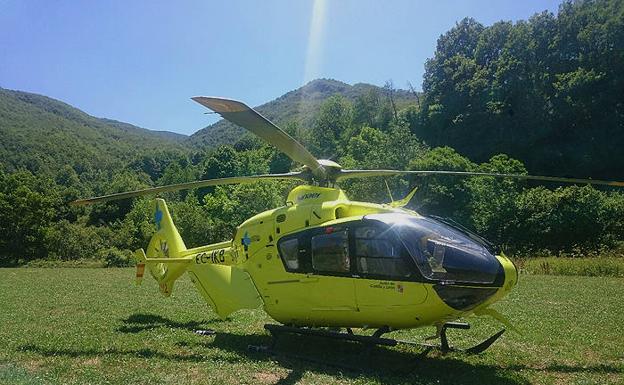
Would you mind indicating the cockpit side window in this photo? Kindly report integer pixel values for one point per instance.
(289, 250)
(317, 250)
(330, 251)
(378, 253)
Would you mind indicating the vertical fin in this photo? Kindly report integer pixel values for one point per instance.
(165, 243)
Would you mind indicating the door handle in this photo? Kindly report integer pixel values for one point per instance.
(309, 279)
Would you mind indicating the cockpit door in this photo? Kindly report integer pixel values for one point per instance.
(329, 263)
(386, 274)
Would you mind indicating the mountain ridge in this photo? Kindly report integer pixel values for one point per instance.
(40, 133)
(299, 105)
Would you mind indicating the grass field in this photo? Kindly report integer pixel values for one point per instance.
(75, 326)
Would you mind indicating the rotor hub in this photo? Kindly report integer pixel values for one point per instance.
(325, 175)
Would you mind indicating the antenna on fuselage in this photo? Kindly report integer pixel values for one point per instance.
(389, 192)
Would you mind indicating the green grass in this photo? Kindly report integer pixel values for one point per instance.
(75, 326)
(73, 263)
(589, 267)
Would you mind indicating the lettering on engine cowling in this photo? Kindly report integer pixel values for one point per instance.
(308, 196)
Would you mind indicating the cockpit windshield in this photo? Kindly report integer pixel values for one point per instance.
(441, 252)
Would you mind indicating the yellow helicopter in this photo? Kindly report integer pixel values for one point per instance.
(322, 262)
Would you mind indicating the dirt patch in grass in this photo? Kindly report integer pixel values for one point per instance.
(267, 377)
(93, 361)
(33, 366)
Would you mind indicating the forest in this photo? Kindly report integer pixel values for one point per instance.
(543, 96)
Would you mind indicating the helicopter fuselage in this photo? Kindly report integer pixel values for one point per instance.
(323, 260)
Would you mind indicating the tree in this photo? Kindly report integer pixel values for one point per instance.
(116, 210)
(365, 108)
(332, 124)
(27, 209)
(223, 162)
(445, 196)
(492, 204)
(389, 90)
(230, 206)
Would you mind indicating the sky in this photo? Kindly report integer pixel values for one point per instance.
(140, 62)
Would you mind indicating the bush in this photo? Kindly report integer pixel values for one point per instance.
(66, 241)
(113, 257)
(567, 219)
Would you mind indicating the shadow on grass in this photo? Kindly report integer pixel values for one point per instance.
(300, 354)
(560, 368)
(137, 323)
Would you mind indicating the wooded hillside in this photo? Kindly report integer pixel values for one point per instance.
(548, 91)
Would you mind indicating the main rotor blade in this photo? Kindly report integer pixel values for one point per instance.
(348, 174)
(242, 115)
(189, 185)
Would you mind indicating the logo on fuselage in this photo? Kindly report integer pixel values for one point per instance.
(246, 241)
(308, 196)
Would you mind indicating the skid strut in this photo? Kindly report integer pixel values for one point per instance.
(377, 339)
(444, 346)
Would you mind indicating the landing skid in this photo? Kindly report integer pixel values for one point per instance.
(444, 346)
(376, 339)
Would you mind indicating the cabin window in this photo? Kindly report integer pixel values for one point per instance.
(330, 251)
(289, 251)
(378, 253)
